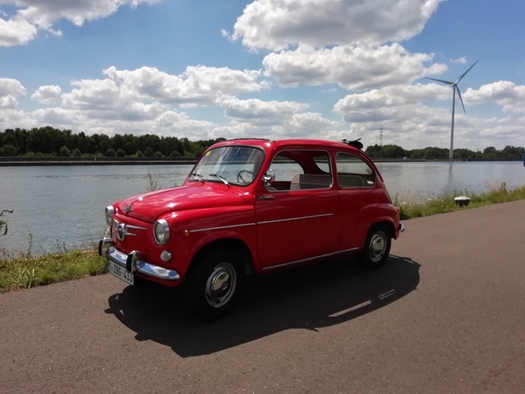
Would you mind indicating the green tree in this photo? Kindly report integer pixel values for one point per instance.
(148, 152)
(110, 153)
(394, 151)
(490, 153)
(8, 151)
(77, 153)
(65, 152)
(121, 153)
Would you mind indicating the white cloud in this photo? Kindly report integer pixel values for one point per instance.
(351, 67)
(198, 85)
(277, 24)
(34, 15)
(460, 60)
(138, 101)
(47, 94)
(509, 96)
(10, 89)
(16, 31)
(408, 122)
(383, 104)
(261, 112)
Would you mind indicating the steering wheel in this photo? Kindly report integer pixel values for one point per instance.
(242, 177)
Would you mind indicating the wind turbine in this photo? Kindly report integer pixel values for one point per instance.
(454, 88)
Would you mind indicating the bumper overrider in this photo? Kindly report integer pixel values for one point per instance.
(132, 263)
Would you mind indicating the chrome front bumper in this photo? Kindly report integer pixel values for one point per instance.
(132, 263)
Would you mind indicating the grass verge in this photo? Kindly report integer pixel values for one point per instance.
(23, 270)
(446, 203)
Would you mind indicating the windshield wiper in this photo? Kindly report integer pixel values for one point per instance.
(198, 176)
(221, 178)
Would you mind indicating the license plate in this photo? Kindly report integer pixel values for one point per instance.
(120, 272)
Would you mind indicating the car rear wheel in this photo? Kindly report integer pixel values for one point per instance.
(214, 284)
(377, 247)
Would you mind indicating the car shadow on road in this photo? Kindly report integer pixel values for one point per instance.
(311, 297)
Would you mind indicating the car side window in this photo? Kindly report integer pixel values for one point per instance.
(353, 172)
(300, 170)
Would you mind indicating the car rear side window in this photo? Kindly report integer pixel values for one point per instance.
(354, 172)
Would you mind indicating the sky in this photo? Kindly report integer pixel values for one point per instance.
(330, 69)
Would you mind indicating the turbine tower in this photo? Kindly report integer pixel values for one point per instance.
(455, 87)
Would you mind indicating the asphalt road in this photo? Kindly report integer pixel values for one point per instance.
(445, 315)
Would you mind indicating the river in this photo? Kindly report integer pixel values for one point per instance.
(62, 207)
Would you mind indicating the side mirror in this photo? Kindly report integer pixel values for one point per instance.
(269, 176)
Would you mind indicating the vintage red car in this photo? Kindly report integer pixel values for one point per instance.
(252, 206)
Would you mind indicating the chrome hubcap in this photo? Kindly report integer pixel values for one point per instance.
(377, 246)
(221, 285)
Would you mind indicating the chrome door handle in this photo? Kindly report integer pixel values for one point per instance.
(266, 197)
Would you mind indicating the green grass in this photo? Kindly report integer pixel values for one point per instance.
(22, 270)
(446, 203)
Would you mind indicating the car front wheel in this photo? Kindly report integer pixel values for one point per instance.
(377, 248)
(214, 284)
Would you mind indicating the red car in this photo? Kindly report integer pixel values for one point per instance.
(252, 206)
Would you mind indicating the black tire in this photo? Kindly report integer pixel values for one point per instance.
(376, 249)
(214, 284)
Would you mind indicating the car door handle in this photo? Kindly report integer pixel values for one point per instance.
(266, 197)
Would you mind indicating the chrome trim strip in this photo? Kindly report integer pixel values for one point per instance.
(136, 227)
(266, 222)
(309, 259)
(222, 227)
(143, 267)
(297, 218)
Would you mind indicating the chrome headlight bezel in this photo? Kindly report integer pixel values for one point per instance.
(110, 211)
(161, 232)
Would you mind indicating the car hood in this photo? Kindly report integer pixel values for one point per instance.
(149, 206)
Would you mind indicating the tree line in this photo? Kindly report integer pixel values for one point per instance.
(434, 153)
(48, 141)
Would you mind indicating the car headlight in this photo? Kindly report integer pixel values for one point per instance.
(162, 231)
(110, 211)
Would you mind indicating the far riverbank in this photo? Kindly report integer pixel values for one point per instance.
(107, 161)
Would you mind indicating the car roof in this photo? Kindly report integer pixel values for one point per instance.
(272, 144)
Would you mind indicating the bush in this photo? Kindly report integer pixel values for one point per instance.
(110, 153)
(65, 152)
(121, 153)
(8, 150)
(148, 152)
(77, 153)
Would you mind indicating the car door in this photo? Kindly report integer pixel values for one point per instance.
(357, 181)
(297, 222)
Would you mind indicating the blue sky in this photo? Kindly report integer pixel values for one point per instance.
(267, 68)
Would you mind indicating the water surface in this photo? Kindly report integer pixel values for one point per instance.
(63, 206)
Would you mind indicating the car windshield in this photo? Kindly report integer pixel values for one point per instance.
(231, 165)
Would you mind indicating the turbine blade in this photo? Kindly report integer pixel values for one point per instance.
(440, 80)
(465, 73)
(461, 99)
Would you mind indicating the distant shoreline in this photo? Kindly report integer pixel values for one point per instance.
(24, 162)
(105, 161)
